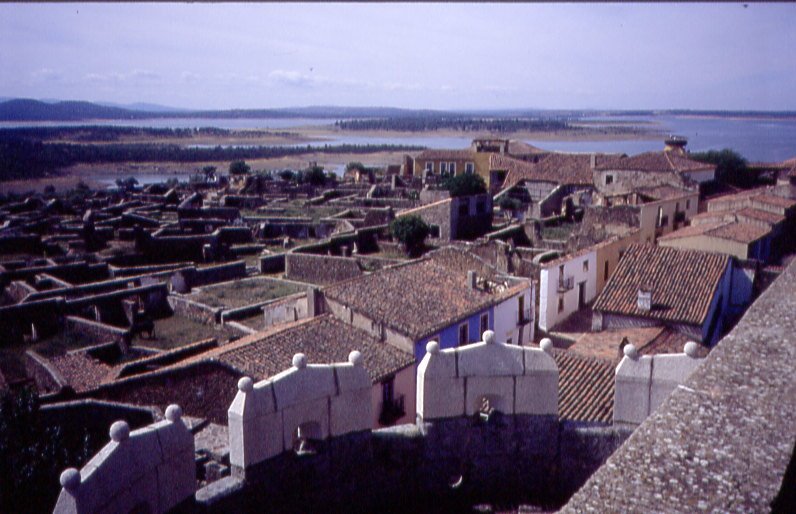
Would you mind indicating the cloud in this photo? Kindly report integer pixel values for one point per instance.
(47, 74)
(295, 78)
(118, 77)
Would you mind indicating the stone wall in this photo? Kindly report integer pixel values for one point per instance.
(297, 407)
(644, 382)
(96, 331)
(320, 269)
(148, 470)
(486, 377)
(196, 311)
(285, 310)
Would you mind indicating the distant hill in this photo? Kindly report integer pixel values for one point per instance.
(34, 110)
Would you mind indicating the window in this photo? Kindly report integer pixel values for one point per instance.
(463, 334)
(687, 204)
(469, 167)
(609, 179)
(430, 166)
(452, 168)
(443, 167)
(521, 307)
(605, 271)
(677, 207)
(434, 230)
(388, 390)
(560, 304)
(484, 322)
(585, 266)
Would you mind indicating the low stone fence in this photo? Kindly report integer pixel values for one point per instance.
(96, 331)
(148, 470)
(320, 269)
(196, 311)
(286, 309)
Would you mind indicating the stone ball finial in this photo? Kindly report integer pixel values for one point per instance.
(488, 337)
(300, 361)
(245, 385)
(630, 351)
(356, 358)
(546, 345)
(432, 347)
(70, 479)
(174, 412)
(691, 349)
(119, 431)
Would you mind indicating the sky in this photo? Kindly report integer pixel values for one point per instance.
(435, 56)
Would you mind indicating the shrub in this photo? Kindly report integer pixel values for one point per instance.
(465, 184)
(411, 231)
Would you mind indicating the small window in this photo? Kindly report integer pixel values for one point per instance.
(463, 334)
(434, 230)
(687, 204)
(484, 322)
(469, 167)
(605, 271)
(521, 307)
(609, 179)
(430, 166)
(560, 304)
(585, 266)
(452, 168)
(677, 207)
(443, 167)
(510, 340)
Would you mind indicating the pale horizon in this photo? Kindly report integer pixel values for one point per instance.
(416, 56)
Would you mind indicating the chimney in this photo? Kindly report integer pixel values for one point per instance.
(593, 161)
(644, 302)
(471, 279)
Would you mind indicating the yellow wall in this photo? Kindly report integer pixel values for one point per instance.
(709, 244)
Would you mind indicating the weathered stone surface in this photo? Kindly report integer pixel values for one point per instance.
(721, 442)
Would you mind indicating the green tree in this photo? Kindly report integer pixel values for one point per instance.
(239, 168)
(465, 184)
(411, 231)
(126, 184)
(287, 175)
(355, 165)
(508, 203)
(731, 167)
(315, 176)
(210, 172)
(33, 454)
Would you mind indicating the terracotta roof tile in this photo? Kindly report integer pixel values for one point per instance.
(323, 339)
(654, 162)
(682, 282)
(670, 341)
(740, 232)
(555, 167)
(435, 154)
(585, 387)
(419, 298)
(81, 371)
(606, 343)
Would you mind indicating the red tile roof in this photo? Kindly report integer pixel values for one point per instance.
(585, 387)
(670, 341)
(683, 283)
(81, 371)
(418, 298)
(606, 343)
(453, 155)
(737, 231)
(323, 339)
(559, 168)
(654, 162)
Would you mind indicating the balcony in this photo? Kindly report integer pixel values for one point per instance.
(565, 284)
(392, 410)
